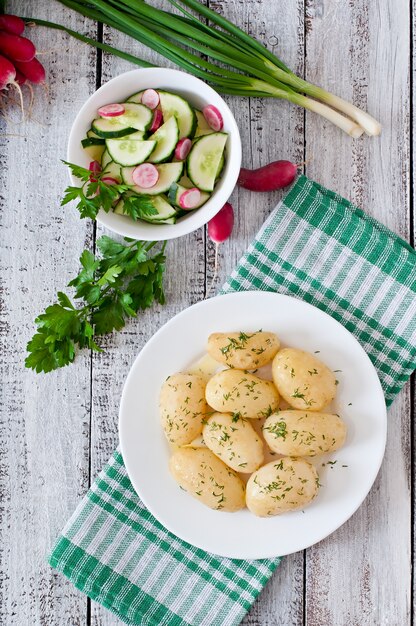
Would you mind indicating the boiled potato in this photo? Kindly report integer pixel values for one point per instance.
(303, 380)
(234, 391)
(242, 350)
(182, 407)
(235, 441)
(304, 433)
(281, 486)
(207, 478)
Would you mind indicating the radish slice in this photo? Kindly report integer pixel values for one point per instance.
(111, 110)
(94, 167)
(213, 117)
(150, 98)
(157, 121)
(145, 175)
(108, 180)
(183, 148)
(190, 198)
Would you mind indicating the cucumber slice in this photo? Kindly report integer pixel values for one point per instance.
(220, 167)
(204, 160)
(173, 105)
(106, 158)
(92, 135)
(95, 152)
(176, 190)
(166, 138)
(202, 127)
(164, 209)
(136, 97)
(92, 141)
(129, 151)
(168, 173)
(113, 170)
(136, 117)
(139, 134)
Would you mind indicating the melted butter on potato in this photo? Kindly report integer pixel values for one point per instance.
(304, 433)
(303, 380)
(207, 478)
(182, 407)
(234, 440)
(234, 391)
(243, 351)
(281, 486)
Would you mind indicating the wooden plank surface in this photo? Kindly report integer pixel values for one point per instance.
(57, 431)
(45, 419)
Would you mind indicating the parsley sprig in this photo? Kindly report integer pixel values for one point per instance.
(95, 194)
(112, 288)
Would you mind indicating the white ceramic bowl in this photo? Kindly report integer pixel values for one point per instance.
(198, 94)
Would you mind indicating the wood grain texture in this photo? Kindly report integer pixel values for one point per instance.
(368, 64)
(44, 425)
(57, 431)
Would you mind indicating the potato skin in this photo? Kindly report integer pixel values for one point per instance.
(243, 351)
(303, 380)
(182, 407)
(234, 391)
(304, 433)
(235, 441)
(280, 486)
(204, 476)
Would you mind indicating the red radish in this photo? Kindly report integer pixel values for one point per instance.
(157, 121)
(12, 24)
(183, 148)
(213, 117)
(190, 198)
(111, 110)
(221, 225)
(33, 70)
(219, 229)
(273, 176)
(95, 168)
(109, 180)
(20, 79)
(7, 72)
(8, 77)
(145, 175)
(150, 98)
(16, 48)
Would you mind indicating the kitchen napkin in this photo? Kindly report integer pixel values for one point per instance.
(315, 246)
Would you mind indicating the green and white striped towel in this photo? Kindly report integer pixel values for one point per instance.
(315, 246)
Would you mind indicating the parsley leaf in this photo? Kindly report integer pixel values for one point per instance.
(112, 288)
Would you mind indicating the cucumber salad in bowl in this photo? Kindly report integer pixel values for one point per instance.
(166, 154)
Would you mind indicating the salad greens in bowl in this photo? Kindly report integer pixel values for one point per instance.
(154, 154)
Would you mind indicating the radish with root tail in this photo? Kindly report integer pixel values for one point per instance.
(219, 229)
(18, 63)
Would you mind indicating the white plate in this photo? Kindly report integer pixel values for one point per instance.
(360, 402)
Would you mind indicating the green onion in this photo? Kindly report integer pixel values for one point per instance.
(233, 61)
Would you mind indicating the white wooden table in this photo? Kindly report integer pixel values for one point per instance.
(59, 429)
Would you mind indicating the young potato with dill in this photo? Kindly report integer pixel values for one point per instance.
(234, 440)
(236, 391)
(280, 486)
(303, 380)
(202, 474)
(304, 433)
(243, 351)
(182, 407)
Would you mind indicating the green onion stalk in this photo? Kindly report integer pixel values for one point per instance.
(218, 52)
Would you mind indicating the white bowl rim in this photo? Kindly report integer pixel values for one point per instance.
(199, 217)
